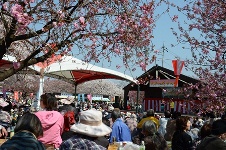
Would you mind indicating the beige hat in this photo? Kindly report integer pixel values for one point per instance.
(128, 114)
(133, 116)
(110, 108)
(67, 100)
(91, 124)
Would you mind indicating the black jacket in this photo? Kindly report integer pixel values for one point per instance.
(181, 141)
(211, 142)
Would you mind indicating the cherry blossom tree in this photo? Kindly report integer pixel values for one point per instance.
(34, 30)
(30, 84)
(57, 86)
(133, 97)
(23, 83)
(204, 33)
(102, 87)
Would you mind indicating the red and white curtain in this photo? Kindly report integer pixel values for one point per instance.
(183, 106)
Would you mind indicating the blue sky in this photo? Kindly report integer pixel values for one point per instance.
(162, 36)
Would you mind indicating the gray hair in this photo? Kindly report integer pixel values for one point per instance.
(149, 127)
(116, 113)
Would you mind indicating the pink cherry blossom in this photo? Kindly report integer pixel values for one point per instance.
(16, 65)
(82, 20)
(99, 30)
(143, 66)
(117, 51)
(70, 48)
(175, 17)
(156, 51)
(5, 6)
(76, 25)
(55, 24)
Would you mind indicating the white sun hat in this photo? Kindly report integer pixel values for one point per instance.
(91, 124)
(67, 100)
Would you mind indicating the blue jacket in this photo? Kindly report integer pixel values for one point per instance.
(120, 131)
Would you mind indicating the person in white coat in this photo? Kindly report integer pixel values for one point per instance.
(163, 122)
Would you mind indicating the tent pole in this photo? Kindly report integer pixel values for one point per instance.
(75, 95)
(41, 86)
(138, 95)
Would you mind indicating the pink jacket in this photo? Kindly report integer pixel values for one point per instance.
(52, 123)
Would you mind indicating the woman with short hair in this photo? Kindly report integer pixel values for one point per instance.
(152, 139)
(181, 140)
(27, 130)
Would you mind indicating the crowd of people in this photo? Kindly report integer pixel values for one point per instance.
(71, 127)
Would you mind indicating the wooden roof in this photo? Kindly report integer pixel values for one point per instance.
(162, 73)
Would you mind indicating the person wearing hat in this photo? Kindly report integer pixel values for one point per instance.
(217, 138)
(89, 128)
(128, 115)
(67, 105)
(110, 108)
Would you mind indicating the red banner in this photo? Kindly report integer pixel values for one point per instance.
(89, 97)
(177, 67)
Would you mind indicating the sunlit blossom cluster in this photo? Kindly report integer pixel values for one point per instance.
(204, 33)
(22, 18)
(97, 30)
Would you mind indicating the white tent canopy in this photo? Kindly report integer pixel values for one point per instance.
(67, 68)
(76, 71)
(70, 69)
